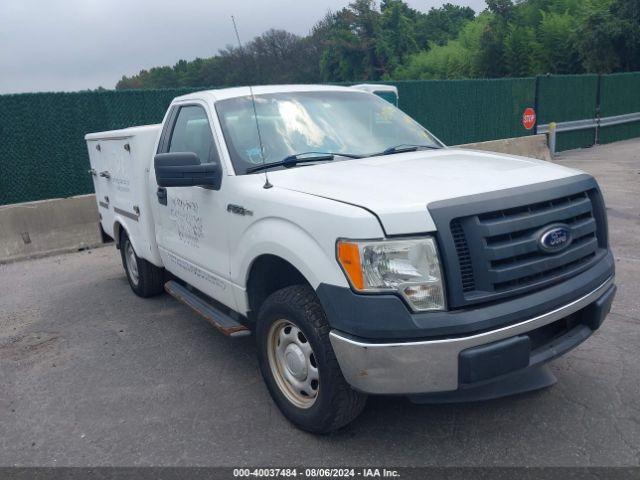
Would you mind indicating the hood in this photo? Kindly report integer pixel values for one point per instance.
(397, 188)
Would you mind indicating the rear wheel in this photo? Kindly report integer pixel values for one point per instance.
(298, 363)
(145, 279)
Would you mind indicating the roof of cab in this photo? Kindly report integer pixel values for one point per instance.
(224, 93)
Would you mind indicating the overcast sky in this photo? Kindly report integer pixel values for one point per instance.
(66, 45)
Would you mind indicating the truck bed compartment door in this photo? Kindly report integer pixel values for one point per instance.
(100, 174)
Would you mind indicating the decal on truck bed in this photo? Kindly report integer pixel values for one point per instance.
(122, 183)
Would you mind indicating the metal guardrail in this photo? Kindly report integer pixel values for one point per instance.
(568, 126)
(558, 127)
(618, 119)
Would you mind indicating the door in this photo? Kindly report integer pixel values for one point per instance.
(190, 231)
(100, 160)
(120, 176)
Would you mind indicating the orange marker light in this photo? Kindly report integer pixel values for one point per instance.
(349, 258)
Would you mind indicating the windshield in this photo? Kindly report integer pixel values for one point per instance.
(353, 123)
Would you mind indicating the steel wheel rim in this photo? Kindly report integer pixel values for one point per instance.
(132, 263)
(293, 363)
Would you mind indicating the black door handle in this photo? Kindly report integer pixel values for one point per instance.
(162, 195)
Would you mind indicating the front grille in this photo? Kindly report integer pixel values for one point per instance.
(464, 257)
(498, 251)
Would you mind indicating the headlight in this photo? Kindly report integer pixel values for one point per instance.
(409, 267)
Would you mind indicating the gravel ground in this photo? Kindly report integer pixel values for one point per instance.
(92, 375)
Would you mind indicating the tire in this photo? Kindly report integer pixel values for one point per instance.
(332, 403)
(145, 279)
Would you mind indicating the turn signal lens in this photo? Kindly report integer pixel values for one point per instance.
(349, 257)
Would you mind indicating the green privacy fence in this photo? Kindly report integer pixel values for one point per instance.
(619, 95)
(42, 149)
(563, 98)
(465, 111)
(43, 154)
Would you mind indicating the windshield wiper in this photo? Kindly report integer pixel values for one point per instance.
(404, 147)
(305, 157)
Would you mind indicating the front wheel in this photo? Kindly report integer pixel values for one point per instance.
(298, 363)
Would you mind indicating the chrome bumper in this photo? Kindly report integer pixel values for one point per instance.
(432, 365)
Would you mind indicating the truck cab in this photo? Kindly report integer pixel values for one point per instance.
(364, 255)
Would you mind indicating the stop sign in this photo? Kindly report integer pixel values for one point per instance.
(529, 118)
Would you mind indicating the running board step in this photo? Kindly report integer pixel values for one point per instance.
(222, 321)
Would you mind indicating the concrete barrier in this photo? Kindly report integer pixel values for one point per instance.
(534, 146)
(48, 226)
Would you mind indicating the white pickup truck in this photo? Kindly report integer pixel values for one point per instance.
(366, 256)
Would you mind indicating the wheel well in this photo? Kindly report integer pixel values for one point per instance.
(117, 232)
(104, 236)
(268, 274)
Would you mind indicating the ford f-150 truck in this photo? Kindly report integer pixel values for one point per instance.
(365, 256)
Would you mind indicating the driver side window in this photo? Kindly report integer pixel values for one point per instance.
(192, 133)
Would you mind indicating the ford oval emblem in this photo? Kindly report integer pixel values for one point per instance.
(554, 238)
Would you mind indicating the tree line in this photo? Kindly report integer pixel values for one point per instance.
(391, 41)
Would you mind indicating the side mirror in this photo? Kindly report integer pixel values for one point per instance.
(183, 169)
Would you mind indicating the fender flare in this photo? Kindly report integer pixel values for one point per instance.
(284, 239)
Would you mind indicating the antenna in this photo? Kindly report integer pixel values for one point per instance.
(267, 184)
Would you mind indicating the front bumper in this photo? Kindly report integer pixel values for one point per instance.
(448, 364)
